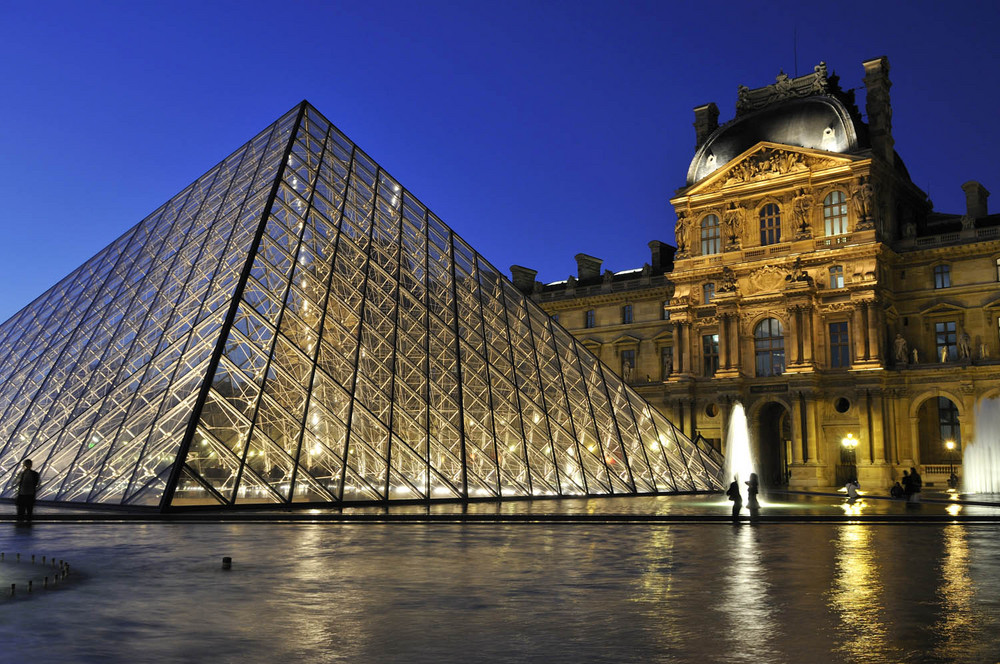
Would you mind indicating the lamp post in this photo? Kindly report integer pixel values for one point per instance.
(950, 446)
(850, 443)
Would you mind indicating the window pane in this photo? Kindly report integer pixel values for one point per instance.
(710, 237)
(835, 213)
(770, 224)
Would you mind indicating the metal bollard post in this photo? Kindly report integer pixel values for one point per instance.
(43, 560)
(227, 563)
(29, 585)
(19, 557)
(13, 587)
(45, 582)
(32, 559)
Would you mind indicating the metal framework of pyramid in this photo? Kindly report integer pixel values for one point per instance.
(296, 328)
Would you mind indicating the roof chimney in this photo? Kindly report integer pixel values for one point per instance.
(662, 256)
(587, 267)
(706, 120)
(523, 278)
(878, 108)
(975, 199)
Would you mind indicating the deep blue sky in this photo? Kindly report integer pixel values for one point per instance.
(535, 129)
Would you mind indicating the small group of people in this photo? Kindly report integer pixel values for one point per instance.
(733, 493)
(909, 488)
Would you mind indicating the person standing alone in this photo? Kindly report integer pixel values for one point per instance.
(27, 485)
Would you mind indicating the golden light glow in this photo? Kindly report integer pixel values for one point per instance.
(849, 441)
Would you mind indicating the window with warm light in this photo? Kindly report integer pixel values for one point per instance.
(837, 276)
(946, 341)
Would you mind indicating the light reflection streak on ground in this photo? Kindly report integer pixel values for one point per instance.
(747, 606)
(954, 627)
(857, 597)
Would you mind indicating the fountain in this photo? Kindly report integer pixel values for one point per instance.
(981, 464)
(739, 461)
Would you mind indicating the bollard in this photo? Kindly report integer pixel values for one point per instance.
(32, 559)
(29, 585)
(67, 569)
(12, 588)
(19, 557)
(45, 582)
(43, 560)
(2, 554)
(227, 563)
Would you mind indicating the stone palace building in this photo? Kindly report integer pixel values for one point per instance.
(812, 282)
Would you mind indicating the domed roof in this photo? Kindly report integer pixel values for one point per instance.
(820, 122)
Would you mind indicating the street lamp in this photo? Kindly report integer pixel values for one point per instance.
(850, 443)
(950, 446)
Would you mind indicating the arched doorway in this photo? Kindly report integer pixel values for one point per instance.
(937, 426)
(774, 441)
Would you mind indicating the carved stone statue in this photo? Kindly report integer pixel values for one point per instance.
(627, 371)
(968, 223)
(910, 230)
(863, 197)
(916, 356)
(743, 103)
(732, 220)
(729, 284)
(802, 204)
(965, 346)
(680, 235)
(901, 350)
(797, 273)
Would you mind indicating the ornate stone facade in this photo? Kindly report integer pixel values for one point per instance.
(798, 270)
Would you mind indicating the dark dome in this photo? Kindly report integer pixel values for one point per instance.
(822, 123)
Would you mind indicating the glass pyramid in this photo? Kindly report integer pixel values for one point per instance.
(296, 328)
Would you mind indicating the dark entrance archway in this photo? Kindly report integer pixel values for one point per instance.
(774, 439)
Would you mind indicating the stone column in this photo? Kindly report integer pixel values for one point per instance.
(807, 334)
(734, 343)
(812, 432)
(724, 341)
(858, 333)
(677, 349)
(878, 431)
(793, 334)
(796, 430)
(874, 331)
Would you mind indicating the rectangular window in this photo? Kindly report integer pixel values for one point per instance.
(588, 318)
(626, 314)
(946, 341)
(942, 276)
(837, 276)
(840, 345)
(710, 353)
(666, 361)
(628, 365)
(666, 312)
(708, 292)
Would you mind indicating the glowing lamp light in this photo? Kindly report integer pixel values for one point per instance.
(950, 445)
(849, 441)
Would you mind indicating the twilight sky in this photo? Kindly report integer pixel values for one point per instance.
(536, 129)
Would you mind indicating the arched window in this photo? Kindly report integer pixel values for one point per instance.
(770, 224)
(835, 213)
(769, 347)
(837, 276)
(710, 238)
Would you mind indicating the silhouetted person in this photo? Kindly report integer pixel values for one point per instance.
(753, 486)
(896, 491)
(907, 486)
(27, 485)
(915, 484)
(733, 492)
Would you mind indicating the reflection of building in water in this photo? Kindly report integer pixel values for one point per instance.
(813, 282)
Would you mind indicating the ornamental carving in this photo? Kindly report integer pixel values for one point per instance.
(767, 278)
(766, 163)
(680, 235)
(784, 87)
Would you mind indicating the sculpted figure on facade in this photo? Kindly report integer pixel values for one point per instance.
(729, 284)
(900, 349)
(820, 85)
(965, 346)
(732, 220)
(863, 197)
(802, 206)
(681, 235)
